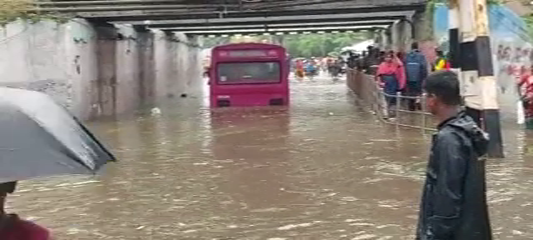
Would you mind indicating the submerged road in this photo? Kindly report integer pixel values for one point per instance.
(321, 169)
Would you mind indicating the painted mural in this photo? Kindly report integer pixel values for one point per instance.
(512, 58)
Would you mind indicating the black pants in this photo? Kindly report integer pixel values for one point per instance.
(414, 89)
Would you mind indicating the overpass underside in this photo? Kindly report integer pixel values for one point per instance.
(123, 53)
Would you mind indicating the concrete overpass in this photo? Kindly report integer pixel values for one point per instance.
(116, 55)
(263, 15)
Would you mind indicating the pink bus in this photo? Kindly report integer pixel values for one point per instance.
(249, 74)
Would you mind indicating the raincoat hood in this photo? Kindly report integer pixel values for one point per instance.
(480, 139)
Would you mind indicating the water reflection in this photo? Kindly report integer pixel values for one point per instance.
(322, 169)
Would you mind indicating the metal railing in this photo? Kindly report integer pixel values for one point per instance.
(419, 118)
(367, 89)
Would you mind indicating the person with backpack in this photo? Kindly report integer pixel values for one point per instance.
(391, 77)
(416, 70)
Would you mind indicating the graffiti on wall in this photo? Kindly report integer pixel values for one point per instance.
(512, 54)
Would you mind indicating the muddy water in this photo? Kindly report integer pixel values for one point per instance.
(322, 169)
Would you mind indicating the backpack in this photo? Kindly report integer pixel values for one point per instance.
(413, 67)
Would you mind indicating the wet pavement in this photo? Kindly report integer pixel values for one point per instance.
(321, 169)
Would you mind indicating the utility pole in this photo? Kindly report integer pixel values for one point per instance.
(455, 46)
(477, 78)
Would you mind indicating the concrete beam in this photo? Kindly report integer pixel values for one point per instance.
(86, 9)
(283, 31)
(354, 17)
(114, 2)
(132, 5)
(169, 15)
(273, 26)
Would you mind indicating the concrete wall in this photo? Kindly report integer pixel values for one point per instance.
(49, 57)
(177, 65)
(97, 70)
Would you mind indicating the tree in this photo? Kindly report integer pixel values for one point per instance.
(309, 45)
(305, 45)
(13, 9)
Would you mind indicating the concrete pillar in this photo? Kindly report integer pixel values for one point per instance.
(421, 27)
(103, 90)
(401, 36)
(162, 63)
(181, 78)
(80, 51)
(145, 39)
(195, 81)
(127, 66)
(480, 87)
(382, 40)
(394, 36)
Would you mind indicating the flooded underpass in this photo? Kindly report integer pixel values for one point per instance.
(321, 169)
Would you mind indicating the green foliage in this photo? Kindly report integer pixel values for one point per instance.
(303, 45)
(529, 22)
(11, 10)
(310, 45)
(212, 42)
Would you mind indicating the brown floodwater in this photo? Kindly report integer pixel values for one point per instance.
(320, 169)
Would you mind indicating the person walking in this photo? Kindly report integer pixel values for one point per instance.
(391, 76)
(14, 228)
(454, 202)
(416, 70)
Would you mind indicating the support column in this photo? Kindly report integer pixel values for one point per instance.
(179, 85)
(128, 72)
(103, 90)
(479, 83)
(146, 65)
(163, 63)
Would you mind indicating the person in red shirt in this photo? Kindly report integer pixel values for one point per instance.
(14, 228)
(299, 70)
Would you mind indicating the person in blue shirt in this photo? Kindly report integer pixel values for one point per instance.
(416, 70)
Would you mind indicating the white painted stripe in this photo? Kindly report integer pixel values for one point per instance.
(468, 20)
(454, 18)
(489, 88)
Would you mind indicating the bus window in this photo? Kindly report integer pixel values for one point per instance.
(249, 72)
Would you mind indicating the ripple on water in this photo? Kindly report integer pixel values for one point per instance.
(193, 173)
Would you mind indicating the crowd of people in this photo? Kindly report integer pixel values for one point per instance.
(398, 72)
(312, 67)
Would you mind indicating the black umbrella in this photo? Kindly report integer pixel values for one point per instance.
(40, 138)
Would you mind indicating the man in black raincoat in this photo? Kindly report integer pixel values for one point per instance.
(454, 205)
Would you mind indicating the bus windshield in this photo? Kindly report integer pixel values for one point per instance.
(249, 72)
